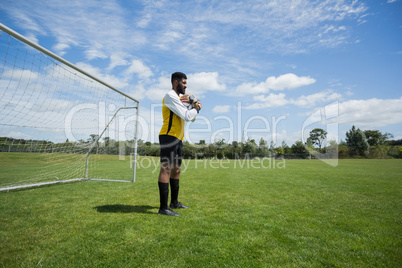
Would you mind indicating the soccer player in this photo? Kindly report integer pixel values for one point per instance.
(171, 142)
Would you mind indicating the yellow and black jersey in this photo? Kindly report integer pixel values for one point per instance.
(174, 115)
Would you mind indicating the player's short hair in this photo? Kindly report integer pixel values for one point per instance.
(178, 76)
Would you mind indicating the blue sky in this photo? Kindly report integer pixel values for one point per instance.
(272, 69)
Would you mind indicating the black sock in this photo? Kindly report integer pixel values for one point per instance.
(163, 194)
(174, 187)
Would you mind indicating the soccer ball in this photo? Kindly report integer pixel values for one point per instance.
(186, 101)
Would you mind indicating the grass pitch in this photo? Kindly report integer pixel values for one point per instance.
(299, 213)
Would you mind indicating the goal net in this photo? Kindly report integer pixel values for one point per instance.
(59, 123)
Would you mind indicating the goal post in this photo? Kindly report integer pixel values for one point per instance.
(100, 136)
(59, 123)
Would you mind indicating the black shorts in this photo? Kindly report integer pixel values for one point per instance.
(171, 149)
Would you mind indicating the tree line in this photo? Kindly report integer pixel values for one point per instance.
(358, 144)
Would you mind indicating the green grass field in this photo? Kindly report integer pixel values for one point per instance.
(299, 213)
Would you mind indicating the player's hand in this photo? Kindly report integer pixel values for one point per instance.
(185, 98)
(194, 102)
(198, 105)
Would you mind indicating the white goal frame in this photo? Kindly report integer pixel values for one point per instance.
(67, 63)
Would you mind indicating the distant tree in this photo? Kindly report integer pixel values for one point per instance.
(342, 142)
(280, 151)
(210, 151)
(356, 141)
(154, 149)
(272, 149)
(250, 148)
(228, 151)
(220, 148)
(286, 148)
(237, 149)
(199, 149)
(262, 148)
(332, 149)
(309, 147)
(379, 151)
(299, 150)
(235, 144)
(141, 149)
(147, 148)
(343, 151)
(92, 139)
(107, 142)
(187, 150)
(394, 142)
(317, 137)
(375, 137)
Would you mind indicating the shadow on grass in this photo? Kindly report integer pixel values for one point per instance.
(125, 209)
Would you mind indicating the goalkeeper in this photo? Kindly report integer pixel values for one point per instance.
(174, 113)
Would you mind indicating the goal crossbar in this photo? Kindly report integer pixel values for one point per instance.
(51, 54)
(43, 50)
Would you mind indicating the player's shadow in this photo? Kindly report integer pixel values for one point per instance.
(125, 209)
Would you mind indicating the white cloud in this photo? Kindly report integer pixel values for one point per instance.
(280, 26)
(288, 81)
(199, 83)
(251, 88)
(96, 51)
(277, 100)
(272, 100)
(19, 75)
(137, 91)
(139, 68)
(282, 82)
(158, 90)
(117, 59)
(16, 135)
(96, 72)
(144, 21)
(99, 27)
(60, 48)
(371, 113)
(312, 99)
(332, 28)
(220, 109)
(203, 32)
(24, 18)
(173, 32)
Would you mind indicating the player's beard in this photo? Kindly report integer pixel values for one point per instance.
(181, 89)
